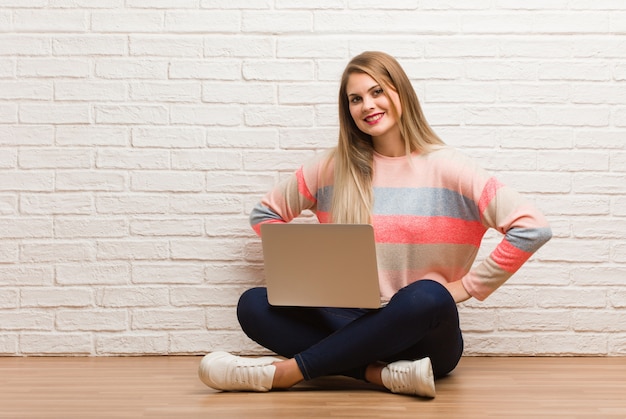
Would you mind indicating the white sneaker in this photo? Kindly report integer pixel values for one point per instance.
(410, 377)
(223, 371)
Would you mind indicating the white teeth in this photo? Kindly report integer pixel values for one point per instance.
(374, 118)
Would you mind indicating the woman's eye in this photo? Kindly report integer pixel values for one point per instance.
(378, 92)
(355, 99)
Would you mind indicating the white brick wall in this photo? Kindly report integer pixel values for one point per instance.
(136, 135)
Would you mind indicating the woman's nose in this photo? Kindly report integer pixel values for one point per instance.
(368, 103)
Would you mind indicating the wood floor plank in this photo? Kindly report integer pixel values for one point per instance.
(168, 387)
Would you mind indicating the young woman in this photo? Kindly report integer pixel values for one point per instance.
(430, 206)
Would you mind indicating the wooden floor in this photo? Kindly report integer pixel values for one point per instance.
(168, 387)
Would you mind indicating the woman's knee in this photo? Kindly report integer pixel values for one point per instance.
(249, 304)
(427, 299)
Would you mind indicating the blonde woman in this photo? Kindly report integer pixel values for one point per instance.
(430, 206)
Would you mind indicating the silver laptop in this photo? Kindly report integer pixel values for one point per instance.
(321, 265)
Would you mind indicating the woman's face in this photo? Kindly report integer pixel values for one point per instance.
(371, 109)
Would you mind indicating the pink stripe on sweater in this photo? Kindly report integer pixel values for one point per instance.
(509, 257)
(302, 187)
(257, 227)
(406, 229)
(489, 192)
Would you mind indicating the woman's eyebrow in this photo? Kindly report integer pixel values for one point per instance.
(369, 90)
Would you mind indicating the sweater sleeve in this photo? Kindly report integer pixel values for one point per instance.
(290, 197)
(525, 230)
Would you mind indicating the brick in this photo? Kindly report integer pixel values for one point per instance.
(238, 93)
(574, 71)
(239, 182)
(127, 21)
(8, 204)
(8, 113)
(206, 160)
(132, 250)
(8, 160)
(602, 276)
(236, 4)
(93, 180)
(166, 92)
(166, 46)
(25, 45)
(8, 344)
(534, 321)
(307, 47)
(169, 227)
(574, 161)
(92, 320)
(51, 158)
(169, 137)
(210, 249)
(569, 343)
(162, 181)
(89, 44)
(123, 297)
(206, 204)
(93, 274)
(162, 4)
(76, 135)
(167, 273)
(56, 297)
(54, 204)
(281, 116)
(208, 70)
(132, 344)
(25, 90)
(54, 114)
(500, 115)
(26, 320)
(53, 67)
(57, 252)
(261, 137)
(40, 181)
(276, 21)
(115, 158)
(116, 68)
(90, 91)
(24, 275)
(56, 344)
(50, 20)
(9, 298)
(595, 183)
(200, 21)
(307, 93)
(360, 21)
(287, 160)
(278, 70)
(246, 46)
(598, 320)
(22, 228)
(206, 296)
(86, 227)
(212, 115)
(132, 204)
(608, 228)
(131, 114)
(160, 319)
(569, 251)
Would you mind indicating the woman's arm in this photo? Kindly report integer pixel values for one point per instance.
(458, 291)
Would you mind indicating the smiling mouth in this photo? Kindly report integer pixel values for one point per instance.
(372, 119)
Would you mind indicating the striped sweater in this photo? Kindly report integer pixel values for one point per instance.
(430, 213)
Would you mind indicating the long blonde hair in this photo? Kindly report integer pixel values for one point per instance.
(353, 157)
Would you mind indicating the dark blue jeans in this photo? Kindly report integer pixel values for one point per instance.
(421, 320)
